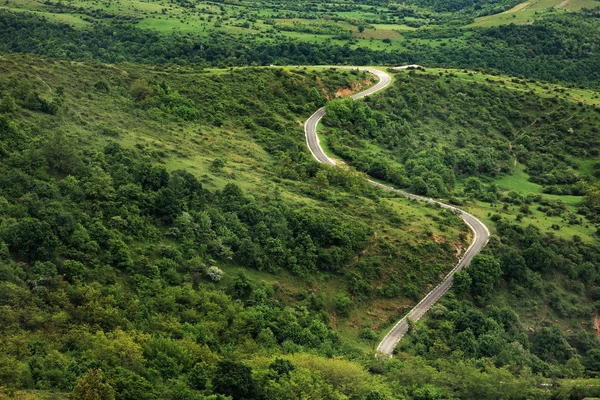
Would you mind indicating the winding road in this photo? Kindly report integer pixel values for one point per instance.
(480, 231)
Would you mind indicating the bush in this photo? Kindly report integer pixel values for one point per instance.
(215, 273)
(342, 305)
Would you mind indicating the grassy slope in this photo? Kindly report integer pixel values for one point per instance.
(194, 145)
(529, 11)
(518, 180)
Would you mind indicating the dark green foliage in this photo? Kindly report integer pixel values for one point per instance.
(496, 333)
(32, 239)
(550, 345)
(462, 282)
(112, 260)
(485, 273)
(234, 379)
(342, 305)
(462, 5)
(282, 366)
(428, 132)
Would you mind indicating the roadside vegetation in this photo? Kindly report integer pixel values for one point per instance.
(520, 155)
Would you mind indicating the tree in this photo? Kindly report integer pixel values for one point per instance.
(462, 282)
(473, 186)
(32, 239)
(550, 345)
(61, 155)
(467, 342)
(282, 366)
(484, 271)
(215, 273)
(99, 186)
(140, 90)
(241, 287)
(7, 104)
(418, 186)
(513, 265)
(234, 379)
(342, 305)
(10, 372)
(592, 360)
(320, 181)
(197, 377)
(539, 257)
(92, 387)
(218, 164)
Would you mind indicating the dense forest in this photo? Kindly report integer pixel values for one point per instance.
(466, 5)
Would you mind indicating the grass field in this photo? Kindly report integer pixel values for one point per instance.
(529, 11)
(544, 223)
(519, 182)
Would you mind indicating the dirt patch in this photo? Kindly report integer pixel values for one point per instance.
(343, 92)
(563, 4)
(597, 325)
(354, 88)
(437, 238)
(458, 250)
(333, 319)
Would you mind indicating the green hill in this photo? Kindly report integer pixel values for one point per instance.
(133, 195)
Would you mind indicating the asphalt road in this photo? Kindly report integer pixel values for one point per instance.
(480, 231)
(310, 126)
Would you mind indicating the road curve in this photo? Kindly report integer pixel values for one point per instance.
(480, 231)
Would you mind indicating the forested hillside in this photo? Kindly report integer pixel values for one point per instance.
(165, 233)
(119, 264)
(522, 158)
(132, 197)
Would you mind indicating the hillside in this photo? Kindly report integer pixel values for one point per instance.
(521, 155)
(166, 231)
(142, 191)
(561, 46)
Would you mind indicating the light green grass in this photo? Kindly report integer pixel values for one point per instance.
(518, 181)
(529, 11)
(484, 211)
(74, 20)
